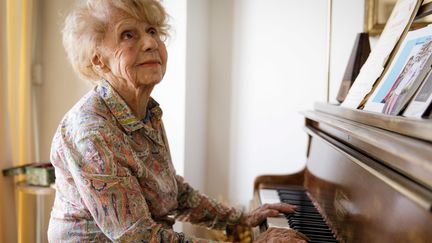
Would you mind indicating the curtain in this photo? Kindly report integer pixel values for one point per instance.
(15, 121)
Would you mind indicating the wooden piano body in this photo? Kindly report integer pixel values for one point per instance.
(369, 174)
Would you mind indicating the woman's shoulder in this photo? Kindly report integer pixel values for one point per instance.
(90, 113)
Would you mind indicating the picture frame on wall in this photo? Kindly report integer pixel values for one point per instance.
(378, 11)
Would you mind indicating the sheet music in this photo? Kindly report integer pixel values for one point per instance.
(402, 15)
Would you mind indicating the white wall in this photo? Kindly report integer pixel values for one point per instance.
(347, 23)
(171, 92)
(268, 63)
(197, 65)
(277, 70)
(219, 97)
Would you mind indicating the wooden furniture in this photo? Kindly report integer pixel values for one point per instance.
(369, 175)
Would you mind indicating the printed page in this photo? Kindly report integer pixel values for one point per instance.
(402, 15)
(410, 47)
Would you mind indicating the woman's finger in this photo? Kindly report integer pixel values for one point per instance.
(269, 213)
(283, 207)
(259, 217)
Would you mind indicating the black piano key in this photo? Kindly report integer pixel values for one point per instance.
(306, 222)
(293, 190)
(307, 210)
(305, 207)
(317, 235)
(294, 196)
(303, 213)
(320, 239)
(308, 226)
(305, 202)
(306, 219)
(314, 230)
(312, 225)
(297, 203)
(323, 241)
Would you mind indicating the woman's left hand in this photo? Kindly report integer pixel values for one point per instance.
(258, 215)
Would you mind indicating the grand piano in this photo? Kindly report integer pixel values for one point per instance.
(368, 178)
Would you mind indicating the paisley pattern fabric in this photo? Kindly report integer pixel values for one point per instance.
(115, 179)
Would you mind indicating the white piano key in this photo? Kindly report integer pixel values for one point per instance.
(271, 196)
(277, 222)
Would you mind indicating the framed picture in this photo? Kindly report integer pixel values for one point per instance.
(378, 11)
(405, 74)
(408, 81)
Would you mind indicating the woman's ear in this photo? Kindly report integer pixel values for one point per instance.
(98, 64)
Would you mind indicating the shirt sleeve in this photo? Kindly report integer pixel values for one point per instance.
(197, 208)
(112, 195)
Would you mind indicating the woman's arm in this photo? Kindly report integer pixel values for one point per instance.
(112, 194)
(197, 208)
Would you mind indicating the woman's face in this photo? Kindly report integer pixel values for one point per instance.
(133, 51)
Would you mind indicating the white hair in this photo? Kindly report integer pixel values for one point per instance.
(85, 28)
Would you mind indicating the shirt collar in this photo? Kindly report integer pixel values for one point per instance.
(121, 110)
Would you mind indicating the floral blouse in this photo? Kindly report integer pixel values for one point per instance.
(115, 179)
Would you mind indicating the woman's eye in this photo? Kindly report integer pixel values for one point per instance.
(127, 35)
(152, 31)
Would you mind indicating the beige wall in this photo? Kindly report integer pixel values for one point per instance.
(61, 88)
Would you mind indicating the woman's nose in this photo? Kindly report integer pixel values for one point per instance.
(148, 42)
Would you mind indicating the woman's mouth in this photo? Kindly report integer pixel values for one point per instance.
(150, 63)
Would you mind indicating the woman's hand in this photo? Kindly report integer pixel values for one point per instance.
(258, 215)
(276, 235)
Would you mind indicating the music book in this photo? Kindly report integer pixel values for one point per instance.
(404, 75)
(397, 26)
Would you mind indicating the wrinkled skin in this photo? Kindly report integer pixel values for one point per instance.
(276, 235)
(257, 216)
(132, 57)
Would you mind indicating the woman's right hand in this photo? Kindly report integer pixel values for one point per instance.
(276, 235)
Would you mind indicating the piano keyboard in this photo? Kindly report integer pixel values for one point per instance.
(306, 220)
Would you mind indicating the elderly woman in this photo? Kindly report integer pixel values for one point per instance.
(114, 176)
